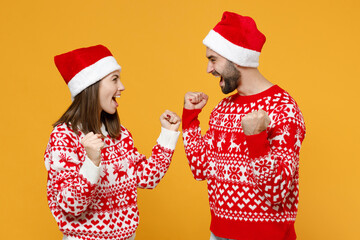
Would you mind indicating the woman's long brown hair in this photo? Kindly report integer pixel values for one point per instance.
(83, 114)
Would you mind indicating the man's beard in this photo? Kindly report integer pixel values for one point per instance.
(231, 77)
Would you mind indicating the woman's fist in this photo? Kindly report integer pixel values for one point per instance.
(170, 120)
(93, 145)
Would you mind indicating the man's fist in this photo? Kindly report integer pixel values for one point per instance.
(255, 122)
(195, 100)
(93, 145)
(170, 120)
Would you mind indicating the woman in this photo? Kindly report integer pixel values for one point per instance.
(93, 167)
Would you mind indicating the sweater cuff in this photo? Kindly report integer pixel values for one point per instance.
(90, 171)
(168, 138)
(190, 118)
(258, 144)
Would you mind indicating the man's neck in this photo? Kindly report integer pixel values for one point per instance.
(252, 82)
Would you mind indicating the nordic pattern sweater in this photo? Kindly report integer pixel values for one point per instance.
(97, 203)
(253, 181)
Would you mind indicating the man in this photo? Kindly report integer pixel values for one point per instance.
(250, 154)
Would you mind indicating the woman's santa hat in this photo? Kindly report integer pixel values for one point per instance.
(237, 39)
(83, 67)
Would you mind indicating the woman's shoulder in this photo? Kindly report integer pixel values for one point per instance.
(62, 130)
(62, 127)
(125, 133)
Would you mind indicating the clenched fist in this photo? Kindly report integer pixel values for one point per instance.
(170, 120)
(93, 145)
(255, 122)
(195, 100)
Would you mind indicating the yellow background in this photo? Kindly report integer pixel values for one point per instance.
(312, 51)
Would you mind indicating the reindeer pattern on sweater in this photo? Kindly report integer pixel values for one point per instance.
(90, 202)
(251, 179)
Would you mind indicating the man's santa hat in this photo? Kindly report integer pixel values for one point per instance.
(237, 39)
(83, 67)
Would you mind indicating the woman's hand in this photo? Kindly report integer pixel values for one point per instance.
(170, 120)
(93, 145)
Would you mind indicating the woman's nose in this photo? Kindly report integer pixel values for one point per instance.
(121, 86)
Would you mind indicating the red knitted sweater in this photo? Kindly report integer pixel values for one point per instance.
(253, 181)
(98, 203)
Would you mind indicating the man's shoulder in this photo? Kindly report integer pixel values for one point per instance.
(225, 102)
(283, 98)
(284, 108)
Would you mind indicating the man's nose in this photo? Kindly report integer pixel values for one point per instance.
(210, 67)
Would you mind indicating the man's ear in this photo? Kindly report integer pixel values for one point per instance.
(241, 68)
(238, 67)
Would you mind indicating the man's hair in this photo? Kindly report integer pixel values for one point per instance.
(83, 114)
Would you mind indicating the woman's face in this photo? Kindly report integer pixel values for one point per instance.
(110, 88)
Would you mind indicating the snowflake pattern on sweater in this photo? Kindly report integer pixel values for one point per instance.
(252, 180)
(90, 202)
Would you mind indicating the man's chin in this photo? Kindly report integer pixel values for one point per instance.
(227, 90)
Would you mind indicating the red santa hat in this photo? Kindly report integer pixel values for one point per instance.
(237, 39)
(83, 67)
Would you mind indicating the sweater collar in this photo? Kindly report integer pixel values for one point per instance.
(237, 98)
